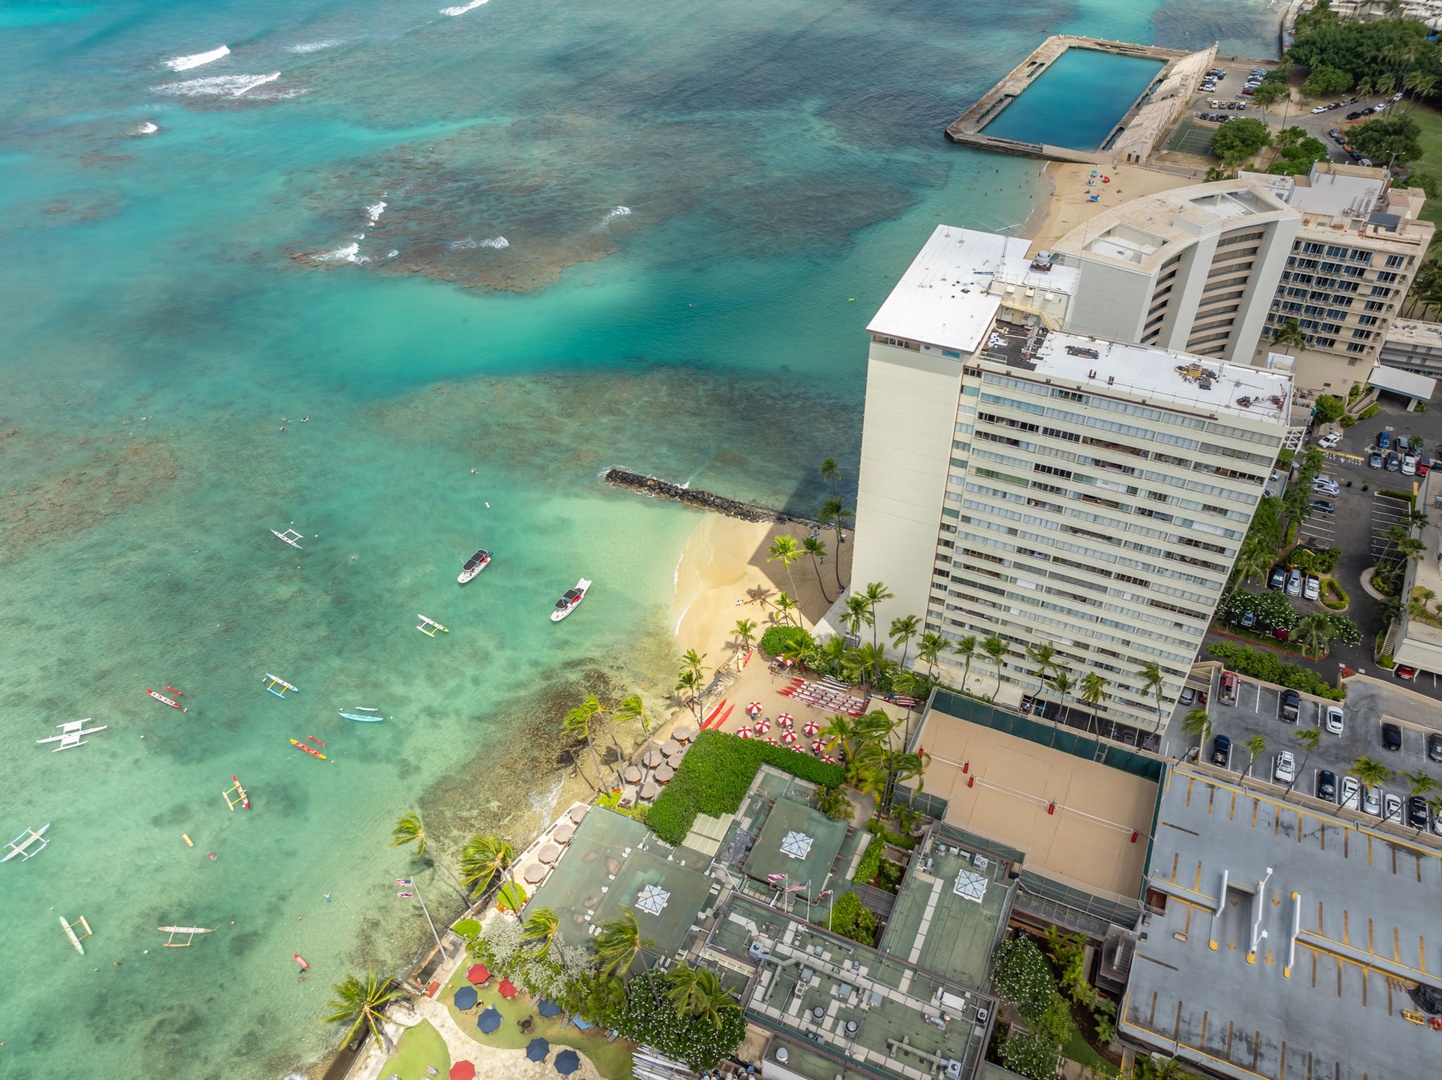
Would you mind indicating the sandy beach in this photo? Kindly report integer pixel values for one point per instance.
(1066, 206)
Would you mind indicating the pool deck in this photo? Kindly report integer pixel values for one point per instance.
(1135, 135)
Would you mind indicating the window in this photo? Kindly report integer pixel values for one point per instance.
(1360, 256)
(1381, 290)
(1387, 276)
(1354, 347)
(1396, 262)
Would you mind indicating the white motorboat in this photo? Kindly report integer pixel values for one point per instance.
(571, 601)
(474, 565)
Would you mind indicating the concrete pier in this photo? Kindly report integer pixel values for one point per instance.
(1135, 136)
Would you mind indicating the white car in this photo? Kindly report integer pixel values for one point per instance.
(1326, 442)
(1392, 807)
(1313, 588)
(1332, 721)
(1409, 465)
(1319, 109)
(1372, 800)
(1285, 771)
(1351, 796)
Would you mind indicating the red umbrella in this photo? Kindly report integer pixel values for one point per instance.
(811, 727)
(745, 733)
(799, 749)
(754, 708)
(786, 719)
(463, 1070)
(478, 974)
(507, 988)
(818, 746)
(789, 738)
(773, 742)
(762, 727)
(829, 760)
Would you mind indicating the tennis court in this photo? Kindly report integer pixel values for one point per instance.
(1192, 138)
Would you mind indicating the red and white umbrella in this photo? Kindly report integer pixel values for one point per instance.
(799, 749)
(763, 726)
(829, 760)
(754, 708)
(811, 727)
(786, 719)
(773, 742)
(818, 746)
(789, 738)
(744, 733)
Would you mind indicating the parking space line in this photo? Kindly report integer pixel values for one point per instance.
(1371, 937)
(1396, 945)
(1346, 916)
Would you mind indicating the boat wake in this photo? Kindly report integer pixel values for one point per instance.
(216, 86)
(462, 9)
(195, 60)
(468, 244)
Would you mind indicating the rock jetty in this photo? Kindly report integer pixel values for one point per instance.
(699, 500)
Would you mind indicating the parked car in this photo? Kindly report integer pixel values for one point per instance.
(1331, 439)
(1394, 461)
(1277, 579)
(1248, 620)
(1289, 706)
(1332, 719)
(1354, 116)
(1313, 589)
(1374, 459)
(1402, 671)
(1391, 737)
(1326, 785)
(1222, 751)
(1384, 440)
(1417, 812)
(1284, 770)
(1229, 687)
(1351, 796)
(1294, 583)
(1189, 695)
(1409, 465)
(1316, 111)
(1325, 506)
(1392, 807)
(1372, 800)
(1434, 746)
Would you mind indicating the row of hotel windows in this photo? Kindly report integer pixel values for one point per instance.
(1277, 319)
(1340, 286)
(1338, 251)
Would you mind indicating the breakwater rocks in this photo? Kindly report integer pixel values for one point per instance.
(699, 500)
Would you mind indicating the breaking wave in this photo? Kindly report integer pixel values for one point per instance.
(375, 210)
(216, 85)
(145, 127)
(461, 10)
(195, 60)
(312, 46)
(468, 244)
(620, 211)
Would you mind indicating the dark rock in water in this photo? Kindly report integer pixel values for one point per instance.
(699, 500)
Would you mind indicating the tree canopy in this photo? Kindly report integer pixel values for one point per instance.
(1298, 152)
(1375, 55)
(1324, 81)
(1391, 140)
(1238, 140)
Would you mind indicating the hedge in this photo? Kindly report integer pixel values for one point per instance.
(1267, 667)
(715, 775)
(870, 863)
(779, 639)
(1329, 585)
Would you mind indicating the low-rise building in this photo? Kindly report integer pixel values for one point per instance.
(1415, 638)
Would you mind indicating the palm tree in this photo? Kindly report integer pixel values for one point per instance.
(1255, 747)
(833, 654)
(900, 767)
(1313, 632)
(1044, 657)
(834, 512)
(631, 709)
(618, 941)
(855, 734)
(1310, 738)
(786, 550)
(483, 858)
(577, 724)
(829, 471)
(816, 548)
(1420, 783)
(866, 663)
(541, 926)
(1290, 333)
(1198, 723)
(995, 650)
(929, 650)
(914, 686)
(693, 661)
(698, 994)
(409, 827)
(876, 593)
(1064, 686)
(903, 629)
(966, 648)
(689, 683)
(858, 614)
(1094, 692)
(1152, 683)
(359, 1003)
(745, 632)
(1371, 771)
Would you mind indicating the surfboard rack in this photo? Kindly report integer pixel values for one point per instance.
(76, 939)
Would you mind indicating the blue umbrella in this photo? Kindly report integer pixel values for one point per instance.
(548, 1008)
(488, 1021)
(466, 997)
(567, 1062)
(538, 1050)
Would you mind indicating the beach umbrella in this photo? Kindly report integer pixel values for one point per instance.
(538, 1049)
(563, 833)
(632, 775)
(786, 719)
(567, 1062)
(549, 853)
(533, 875)
(507, 988)
(463, 1070)
(546, 1007)
(829, 760)
(466, 997)
(670, 747)
(648, 791)
(811, 727)
(684, 733)
(578, 812)
(763, 726)
(745, 733)
(773, 742)
(652, 758)
(799, 749)
(789, 738)
(754, 708)
(665, 774)
(488, 1021)
(818, 746)
(478, 974)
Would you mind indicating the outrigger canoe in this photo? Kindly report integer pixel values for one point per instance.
(163, 699)
(313, 751)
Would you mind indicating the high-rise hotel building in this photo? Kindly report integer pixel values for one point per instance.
(1050, 487)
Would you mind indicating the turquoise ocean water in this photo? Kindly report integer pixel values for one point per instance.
(1093, 89)
(611, 235)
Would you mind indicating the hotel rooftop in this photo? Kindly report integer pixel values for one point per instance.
(1283, 942)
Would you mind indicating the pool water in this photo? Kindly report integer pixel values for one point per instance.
(1077, 100)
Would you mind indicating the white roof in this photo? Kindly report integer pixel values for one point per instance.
(797, 845)
(943, 299)
(1154, 375)
(1398, 381)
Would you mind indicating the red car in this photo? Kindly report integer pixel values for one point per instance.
(1402, 671)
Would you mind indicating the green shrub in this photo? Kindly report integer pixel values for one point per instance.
(851, 919)
(1387, 660)
(779, 639)
(470, 929)
(870, 861)
(715, 774)
(1030, 1055)
(1333, 596)
(1269, 668)
(650, 1017)
(1369, 412)
(512, 897)
(1023, 977)
(890, 875)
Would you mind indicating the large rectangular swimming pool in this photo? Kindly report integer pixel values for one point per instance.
(1077, 100)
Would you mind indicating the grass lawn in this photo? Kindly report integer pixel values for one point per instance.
(613, 1059)
(1430, 121)
(1077, 1049)
(419, 1047)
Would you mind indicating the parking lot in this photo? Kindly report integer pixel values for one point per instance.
(1370, 703)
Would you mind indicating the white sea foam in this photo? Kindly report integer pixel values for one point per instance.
(195, 60)
(145, 127)
(312, 46)
(497, 242)
(375, 210)
(350, 253)
(216, 85)
(620, 211)
(463, 8)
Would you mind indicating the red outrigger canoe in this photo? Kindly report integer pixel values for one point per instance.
(163, 699)
(313, 751)
(303, 965)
